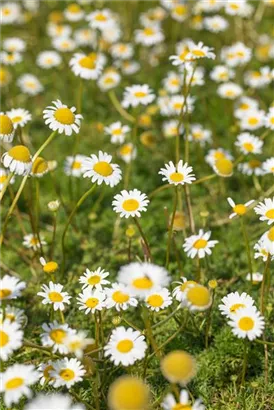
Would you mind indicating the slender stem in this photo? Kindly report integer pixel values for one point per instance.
(149, 332)
(131, 324)
(207, 178)
(244, 362)
(143, 237)
(170, 231)
(79, 203)
(2, 193)
(62, 317)
(158, 324)
(248, 252)
(119, 108)
(208, 323)
(159, 189)
(54, 224)
(189, 209)
(264, 342)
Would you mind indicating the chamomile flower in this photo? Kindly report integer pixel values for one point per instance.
(94, 279)
(100, 19)
(125, 346)
(48, 59)
(179, 291)
(124, 51)
(91, 300)
(268, 241)
(194, 77)
(54, 295)
(73, 12)
(149, 36)
(10, 13)
(128, 393)
(178, 105)
(61, 31)
(127, 152)
(199, 245)
(10, 58)
(197, 51)
(17, 160)
(76, 343)
(100, 169)
(266, 210)
(172, 82)
(216, 154)
(269, 119)
(255, 278)
(268, 166)
(14, 44)
(233, 302)
(236, 55)
(74, 165)
(64, 44)
(130, 203)
(179, 174)
(67, 372)
(143, 278)
(229, 90)
(247, 323)
(197, 298)
(215, 24)
(10, 287)
(199, 134)
(254, 166)
(44, 372)
(59, 117)
(39, 167)
(252, 120)
(29, 84)
(13, 314)
(158, 299)
(31, 241)
(236, 8)
(10, 338)
(221, 74)
(178, 366)
(19, 117)
(85, 37)
(179, 12)
(136, 95)
(4, 175)
(223, 167)
(5, 77)
(108, 80)
(170, 128)
(117, 131)
(170, 403)
(130, 67)
(88, 67)
(7, 128)
(54, 336)
(120, 297)
(52, 402)
(239, 209)
(15, 382)
(245, 104)
(261, 251)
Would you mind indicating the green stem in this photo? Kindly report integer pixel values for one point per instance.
(53, 235)
(189, 209)
(170, 231)
(119, 108)
(73, 212)
(207, 178)
(143, 237)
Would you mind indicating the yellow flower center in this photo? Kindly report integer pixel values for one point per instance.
(253, 121)
(100, 17)
(180, 406)
(142, 283)
(234, 6)
(4, 338)
(270, 234)
(4, 76)
(155, 300)
(39, 166)
(126, 150)
(200, 243)
(186, 284)
(219, 155)
(236, 306)
(254, 163)
(14, 383)
(75, 345)
(34, 241)
(64, 116)
(244, 106)
(125, 346)
(148, 31)
(76, 165)
(87, 62)
(4, 293)
(129, 393)
(176, 177)
(224, 167)
(270, 214)
(240, 209)
(55, 297)
(120, 297)
(10, 316)
(178, 105)
(6, 11)
(50, 267)
(248, 146)
(3, 178)
(180, 10)
(108, 80)
(198, 296)
(103, 168)
(118, 131)
(140, 94)
(178, 366)
(197, 135)
(6, 125)
(92, 302)
(130, 205)
(67, 374)
(17, 119)
(94, 280)
(198, 53)
(246, 323)
(272, 120)
(20, 153)
(229, 93)
(183, 55)
(57, 335)
(74, 8)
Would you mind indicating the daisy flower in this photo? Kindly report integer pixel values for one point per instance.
(266, 210)
(170, 128)
(74, 165)
(108, 80)
(248, 143)
(73, 12)
(67, 372)
(48, 59)
(10, 338)
(5, 77)
(216, 154)
(112, 33)
(61, 31)
(29, 84)
(124, 51)
(268, 241)
(91, 300)
(10, 287)
(52, 402)
(173, 82)
(64, 44)
(199, 245)
(94, 279)
(39, 167)
(252, 120)
(15, 382)
(255, 277)
(178, 366)
(14, 44)
(100, 19)
(199, 134)
(10, 13)
(158, 300)
(143, 278)
(194, 77)
(125, 346)
(10, 58)
(54, 296)
(251, 167)
(77, 343)
(179, 12)
(247, 323)
(19, 117)
(229, 90)
(136, 95)
(32, 242)
(7, 128)
(197, 51)
(149, 36)
(100, 169)
(129, 392)
(262, 252)
(179, 174)
(221, 73)
(117, 131)
(127, 152)
(215, 24)
(4, 175)
(236, 8)
(223, 167)
(120, 297)
(54, 336)
(62, 119)
(234, 301)
(179, 291)
(268, 166)
(44, 372)
(170, 403)
(239, 209)
(13, 314)
(130, 203)
(85, 37)
(48, 267)
(130, 67)
(88, 67)
(244, 105)
(269, 119)
(178, 105)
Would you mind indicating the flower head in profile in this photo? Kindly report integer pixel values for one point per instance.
(178, 366)
(179, 174)
(128, 393)
(239, 209)
(7, 128)
(18, 160)
(59, 117)
(130, 203)
(100, 169)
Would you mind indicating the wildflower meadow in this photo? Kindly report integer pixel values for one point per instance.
(137, 205)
